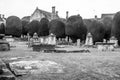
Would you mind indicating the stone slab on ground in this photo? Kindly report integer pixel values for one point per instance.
(36, 67)
(6, 75)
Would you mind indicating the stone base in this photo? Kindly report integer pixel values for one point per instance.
(7, 78)
(4, 46)
(42, 47)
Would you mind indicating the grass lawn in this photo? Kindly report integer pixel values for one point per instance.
(95, 65)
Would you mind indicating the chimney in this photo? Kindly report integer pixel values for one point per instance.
(57, 13)
(95, 16)
(67, 14)
(53, 9)
(3, 16)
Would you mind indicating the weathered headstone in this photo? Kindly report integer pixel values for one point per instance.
(89, 40)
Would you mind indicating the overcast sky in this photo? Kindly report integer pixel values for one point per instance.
(86, 8)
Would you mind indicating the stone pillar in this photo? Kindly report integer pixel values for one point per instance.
(28, 36)
(78, 42)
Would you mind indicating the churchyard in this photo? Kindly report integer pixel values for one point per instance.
(68, 62)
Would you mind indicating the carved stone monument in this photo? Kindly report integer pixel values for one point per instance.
(89, 39)
(52, 39)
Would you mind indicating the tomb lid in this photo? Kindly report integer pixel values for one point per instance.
(102, 43)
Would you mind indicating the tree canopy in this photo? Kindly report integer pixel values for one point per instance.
(96, 28)
(57, 27)
(33, 27)
(24, 27)
(75, 28)
(107, 21)
(43, 28)
(13, 26)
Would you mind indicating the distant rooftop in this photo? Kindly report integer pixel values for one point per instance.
(107, 15)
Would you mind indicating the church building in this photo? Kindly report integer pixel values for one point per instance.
(38, 14)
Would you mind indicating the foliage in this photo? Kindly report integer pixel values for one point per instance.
(33, 27)
(116, 26)
(43, 29)
(107, 21)
(75, 28)
(57, 27)
(13, 26)
(96, 28)
(24, 27)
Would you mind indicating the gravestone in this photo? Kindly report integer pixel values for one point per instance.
(70, 40)
(89, 40)
(4, 46)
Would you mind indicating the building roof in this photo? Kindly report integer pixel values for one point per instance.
(107, 15)
(47, 14)
(26, 18)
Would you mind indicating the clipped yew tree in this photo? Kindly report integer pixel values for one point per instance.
(57, 27)
(13, 26)
(33, 27)
(75, 28)
(43, 27)
(116, 27)
(96, 28)
(107, 21)
(24, 27)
